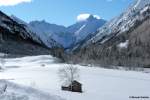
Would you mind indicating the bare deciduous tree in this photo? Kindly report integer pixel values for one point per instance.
(68, 74)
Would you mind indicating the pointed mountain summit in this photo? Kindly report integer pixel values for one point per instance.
(86, 24)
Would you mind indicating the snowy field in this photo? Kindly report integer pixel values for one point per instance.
(41, 73)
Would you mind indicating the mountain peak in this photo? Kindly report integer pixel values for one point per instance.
(87, 17)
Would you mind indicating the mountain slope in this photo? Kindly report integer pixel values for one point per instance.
(117, 25)
(121, 42)
(46, 31)
(44, 38)
(45, 28)
(121, 23)
(16, 39)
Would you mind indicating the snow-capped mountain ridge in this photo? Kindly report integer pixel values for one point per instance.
(6, 22)
(40, 38)
(44, 27)
(66, 36)
(24, 24)
(46, 30)
(53, 35)
(121, 23)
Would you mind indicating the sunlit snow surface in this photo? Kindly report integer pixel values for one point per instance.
(41, 72)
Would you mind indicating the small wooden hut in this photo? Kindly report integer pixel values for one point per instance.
(75, 86)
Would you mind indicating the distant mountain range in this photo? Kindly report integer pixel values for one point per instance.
(65, 36)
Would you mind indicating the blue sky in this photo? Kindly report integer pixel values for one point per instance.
(63, 12)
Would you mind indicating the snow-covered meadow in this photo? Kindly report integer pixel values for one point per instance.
(41, 73)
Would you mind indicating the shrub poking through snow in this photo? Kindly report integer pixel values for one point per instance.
(3, 88)
(2, 63)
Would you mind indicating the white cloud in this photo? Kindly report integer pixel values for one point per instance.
(84, 17)
(12, 2)
(97, 17)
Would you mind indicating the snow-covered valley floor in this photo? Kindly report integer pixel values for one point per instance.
(41, 72)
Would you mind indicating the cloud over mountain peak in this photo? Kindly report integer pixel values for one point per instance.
(85, 16)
